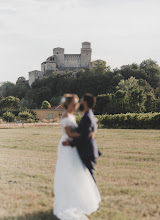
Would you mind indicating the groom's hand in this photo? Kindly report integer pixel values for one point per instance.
(66, 143)
(92, 135)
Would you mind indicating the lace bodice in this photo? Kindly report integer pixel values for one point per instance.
(68, 121)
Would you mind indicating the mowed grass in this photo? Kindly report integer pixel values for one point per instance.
(128, 173)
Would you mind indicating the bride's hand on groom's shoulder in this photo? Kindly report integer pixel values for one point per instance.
(66, 143)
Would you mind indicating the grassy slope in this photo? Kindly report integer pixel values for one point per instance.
(128, 173)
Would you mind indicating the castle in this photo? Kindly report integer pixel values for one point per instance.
(60, 62)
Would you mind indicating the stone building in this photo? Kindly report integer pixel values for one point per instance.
(60, 62)
(50, 115)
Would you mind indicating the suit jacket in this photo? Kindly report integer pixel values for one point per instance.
(87, 147)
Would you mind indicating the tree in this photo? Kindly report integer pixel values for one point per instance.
(24, 104)
(151, 72)
(1, 97)
(7, 89)
(45, 105)
(101, 104)
(21, 80)
(39, 94)
(145, 86)
(130, 70)
(150, 102)
(99, 67)
(137, 101)
(129, 84)
(8, 116)
(10, 103)
(80, 73)
(157, 92)
(55, 101)
(119, 99)
(157, 105)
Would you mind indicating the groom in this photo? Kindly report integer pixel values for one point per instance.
(87, 147)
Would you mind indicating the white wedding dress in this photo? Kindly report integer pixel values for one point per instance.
(76, 194)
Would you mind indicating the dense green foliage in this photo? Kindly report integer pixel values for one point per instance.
(8, 117)
(10, 103)
(131, 88)
(12, 108)
(24, 116)
(130, 120)
(45, 105)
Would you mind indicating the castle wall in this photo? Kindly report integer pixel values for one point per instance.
(48, 66)
(72, 60)
(51, 66)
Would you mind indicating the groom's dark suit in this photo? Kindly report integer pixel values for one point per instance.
(87, 147)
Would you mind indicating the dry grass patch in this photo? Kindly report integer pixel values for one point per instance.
(128, 173)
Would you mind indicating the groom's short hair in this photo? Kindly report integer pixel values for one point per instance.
(90, 99)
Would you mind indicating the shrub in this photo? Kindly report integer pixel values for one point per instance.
(30, 120)
(8, 116)
(45, 105)
(24, 116)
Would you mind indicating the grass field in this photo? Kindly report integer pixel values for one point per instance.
(128, 173)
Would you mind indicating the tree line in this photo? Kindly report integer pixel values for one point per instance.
(130, 88)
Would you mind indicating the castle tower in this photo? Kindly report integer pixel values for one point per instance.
(59, 53)
(33, 75)
(86, 53)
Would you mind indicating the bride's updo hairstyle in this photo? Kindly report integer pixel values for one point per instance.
(67, 99)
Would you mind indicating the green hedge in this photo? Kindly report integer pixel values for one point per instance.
(130, 120)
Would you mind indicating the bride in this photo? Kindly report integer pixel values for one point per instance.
(75, 191)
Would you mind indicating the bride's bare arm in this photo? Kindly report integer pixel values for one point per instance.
(70, 132)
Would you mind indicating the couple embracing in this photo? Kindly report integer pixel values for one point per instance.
(75, 190)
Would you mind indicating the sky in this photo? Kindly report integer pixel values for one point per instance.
(120, 31)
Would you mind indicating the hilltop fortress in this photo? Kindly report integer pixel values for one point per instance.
(61, 62)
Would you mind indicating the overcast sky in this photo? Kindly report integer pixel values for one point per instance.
(120, 31)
